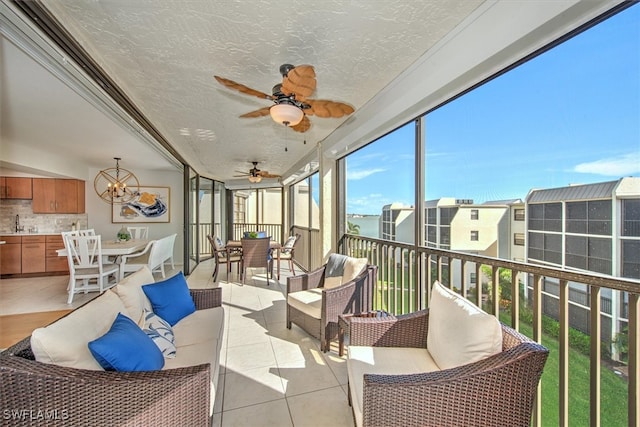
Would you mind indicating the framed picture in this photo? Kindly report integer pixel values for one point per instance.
(151, 204)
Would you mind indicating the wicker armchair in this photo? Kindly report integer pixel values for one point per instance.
(355, 296)
(81, 397)
(496, 391)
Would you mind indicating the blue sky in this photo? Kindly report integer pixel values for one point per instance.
(571, 115)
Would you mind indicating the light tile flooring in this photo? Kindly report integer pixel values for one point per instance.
(269, 375)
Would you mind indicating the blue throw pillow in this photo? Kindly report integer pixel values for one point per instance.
(170, 298)
(126, 348)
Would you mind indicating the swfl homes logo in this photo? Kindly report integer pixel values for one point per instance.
(35, 414)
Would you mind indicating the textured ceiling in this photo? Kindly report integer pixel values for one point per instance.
(164, 55)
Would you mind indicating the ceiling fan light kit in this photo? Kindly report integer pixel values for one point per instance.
(292, 105)
(286, 114)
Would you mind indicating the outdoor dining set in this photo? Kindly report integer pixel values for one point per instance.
(254, 250)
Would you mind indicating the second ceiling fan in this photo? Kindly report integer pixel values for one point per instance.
(255, 175)
(291, 103)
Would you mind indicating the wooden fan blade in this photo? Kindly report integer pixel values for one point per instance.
(300, 81)
(264, 111)
(242, 88)
(325, 108)
(303, 126)
(268, 175)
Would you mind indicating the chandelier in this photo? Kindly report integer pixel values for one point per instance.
(116, 185)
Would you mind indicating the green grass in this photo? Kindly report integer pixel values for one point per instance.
(613, 389)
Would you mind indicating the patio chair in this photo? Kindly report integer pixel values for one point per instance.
(256, 253)
(223, 255)
(316, 299)
(286, 253)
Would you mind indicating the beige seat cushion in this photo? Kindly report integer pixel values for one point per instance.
(459, 332)
(199, 326)
(65, 342)
(130, 292)
(383, 361)
(309, 302)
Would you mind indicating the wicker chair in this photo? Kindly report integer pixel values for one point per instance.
(256, 253)
(286, 253)
(355, 296)
(222, 255)
(496, 391)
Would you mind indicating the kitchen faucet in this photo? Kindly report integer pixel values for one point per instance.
(17, 223)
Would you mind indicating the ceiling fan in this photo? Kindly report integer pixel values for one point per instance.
(255, 175)
(291, 105)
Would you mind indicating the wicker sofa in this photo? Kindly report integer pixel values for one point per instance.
(182, 393)
(394, 379)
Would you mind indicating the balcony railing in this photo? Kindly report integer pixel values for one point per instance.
(518, 293)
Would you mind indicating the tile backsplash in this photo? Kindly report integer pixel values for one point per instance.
(45, 223)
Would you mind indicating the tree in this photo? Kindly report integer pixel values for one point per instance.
(353, 228)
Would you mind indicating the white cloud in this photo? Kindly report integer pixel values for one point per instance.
(363, 173)
(625, 165)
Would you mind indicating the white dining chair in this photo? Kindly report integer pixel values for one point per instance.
(139, 233)
(84, 254)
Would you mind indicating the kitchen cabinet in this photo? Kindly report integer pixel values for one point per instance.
(15, 188)
(11, 255)
(58, 195)
(33, 254)
(55, 263)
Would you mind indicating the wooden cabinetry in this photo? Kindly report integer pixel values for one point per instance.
(28, 254)
(58, 195)
(55, 263)
(11, 255)
(33, 254)
(15, 188)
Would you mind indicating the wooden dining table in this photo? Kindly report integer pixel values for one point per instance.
(113, 247)
(273, 245)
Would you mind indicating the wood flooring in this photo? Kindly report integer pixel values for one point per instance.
(15, 327)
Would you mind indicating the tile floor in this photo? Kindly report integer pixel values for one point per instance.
(269, 375)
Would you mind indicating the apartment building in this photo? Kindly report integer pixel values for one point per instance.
(494, 228)
(592, 227)
(397, 223)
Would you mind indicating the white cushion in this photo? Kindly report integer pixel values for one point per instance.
(332, 282)
(383, 361)
(459, 332)
(309, 302)
(65, 342)
(130, 292)
(352, 268)
(199, 326)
